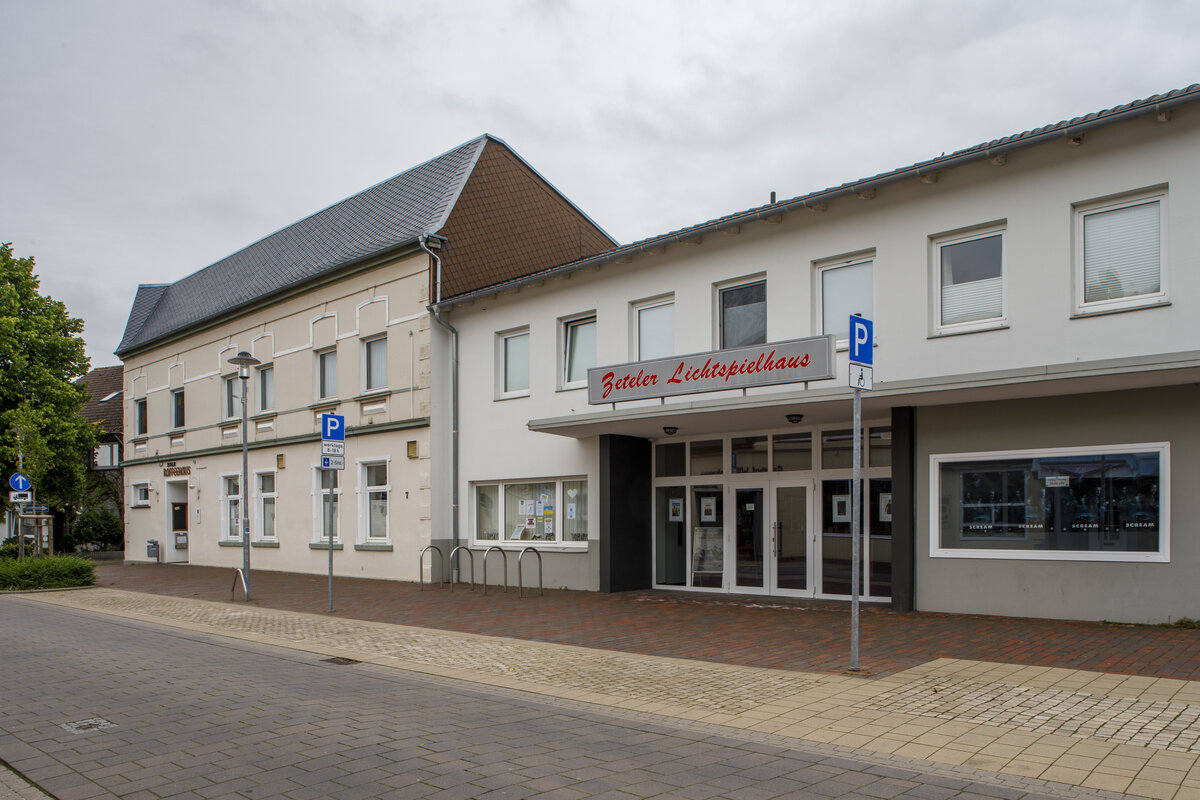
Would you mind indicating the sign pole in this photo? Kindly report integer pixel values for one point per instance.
(856, 527)
(333, 459)
(330, 476)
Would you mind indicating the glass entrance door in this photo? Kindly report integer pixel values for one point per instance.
(793, 542)
(772, 539)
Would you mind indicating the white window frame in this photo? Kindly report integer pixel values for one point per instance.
(1162, 555)
(112, 452)
(635, 324)
(230, 397)
(1086, 209)
(141, 416)
(502, 362)
(366, 364)
(258, 529)
(135, 489)
(566, 325)
(319, 536)
(559, 516)
(263, 405)
(226, 511)
(178, 409)
(940, 241)
(830, 265)
(318, 374)
(719, 291)
(364, 501)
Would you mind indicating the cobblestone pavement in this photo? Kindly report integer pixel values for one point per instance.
(120, 707)
(1103, 732)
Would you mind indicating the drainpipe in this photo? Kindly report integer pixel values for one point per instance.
(437, 315)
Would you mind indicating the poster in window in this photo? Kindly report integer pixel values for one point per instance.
(548, 527)
(841, 508)
(675, 510)
(570, 511)
(708, 509)
(708, 549)
(885, 506)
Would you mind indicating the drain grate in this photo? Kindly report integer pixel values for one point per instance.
(339, 660)
(87, 725)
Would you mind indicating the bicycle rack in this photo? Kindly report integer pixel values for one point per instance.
(520, 585)
(504, 556)
(470, 556)
(237, 575)
(421, 565)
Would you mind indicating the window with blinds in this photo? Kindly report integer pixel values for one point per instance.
(971, 278)
(1119, 248)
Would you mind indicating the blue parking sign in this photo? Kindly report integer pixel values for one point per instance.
(333, 428)
(862, 340)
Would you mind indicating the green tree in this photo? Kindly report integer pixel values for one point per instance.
(41, 353)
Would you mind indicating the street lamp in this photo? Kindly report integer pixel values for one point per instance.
(244, 361)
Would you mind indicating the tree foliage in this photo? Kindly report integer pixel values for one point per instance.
(41, 353)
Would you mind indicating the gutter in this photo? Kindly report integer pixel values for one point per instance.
(436, 310)
(1067, 130)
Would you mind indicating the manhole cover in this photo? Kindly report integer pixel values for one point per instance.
(88, 725)
(340, 660)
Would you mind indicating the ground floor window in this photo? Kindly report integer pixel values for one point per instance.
(375, 496)
(266, 505)
(328, 491)
(231, 502)
(1089, 503)
(551, 510)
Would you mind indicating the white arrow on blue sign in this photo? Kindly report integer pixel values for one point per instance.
(19, 482)
(333, 428)
(862, 341)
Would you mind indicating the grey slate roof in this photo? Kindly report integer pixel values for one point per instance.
(388, 215)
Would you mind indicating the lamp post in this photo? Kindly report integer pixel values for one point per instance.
(244, 361)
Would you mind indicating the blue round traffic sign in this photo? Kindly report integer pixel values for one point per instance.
(19, 482)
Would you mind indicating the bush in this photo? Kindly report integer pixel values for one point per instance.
(96, 529)
(47, 572)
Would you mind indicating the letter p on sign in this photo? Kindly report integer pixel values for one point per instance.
(862, 340)
(333, 427)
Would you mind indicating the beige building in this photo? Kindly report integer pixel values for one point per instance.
(335, 310)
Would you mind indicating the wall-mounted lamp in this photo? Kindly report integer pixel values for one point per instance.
(794, 418)
(670, 430)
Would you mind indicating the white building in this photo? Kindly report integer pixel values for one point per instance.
(1032, 435)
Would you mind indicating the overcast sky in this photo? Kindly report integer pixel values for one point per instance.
(143, 140)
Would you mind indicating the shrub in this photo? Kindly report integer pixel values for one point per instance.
(96, 529)
(47, 572)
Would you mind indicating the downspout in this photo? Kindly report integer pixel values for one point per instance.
(437, 315)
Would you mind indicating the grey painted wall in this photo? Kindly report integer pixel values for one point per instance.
(1084, 590)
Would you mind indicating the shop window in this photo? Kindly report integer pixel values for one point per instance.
(670, 460)
(231, 503)
(575, 509)
(748, 454)
(1119, 252)
(708, 537)
(743, 315)
(880, 447)
(266, 505)
(327, 380)
(655, 330)
(846, 289)
(792, 451)
(376, 491)
(514, 364)
(579, 350)
(487, 504)
(970, 270)
(375, 364)
(670, 536)
(707, 457)
(547, 512)
(1094, 503)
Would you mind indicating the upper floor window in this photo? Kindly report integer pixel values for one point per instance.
(846, 288)
(970, 270)
(655, 330)
(375, 366)
(107, 455)
(743, 314)
(141, 416)
(177, 406)
(579, 349)
(514, 363)
(326, 374)
(230, 397)
(266, 388)
(1120, 261)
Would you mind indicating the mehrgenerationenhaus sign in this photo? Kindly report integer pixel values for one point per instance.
(793, 361)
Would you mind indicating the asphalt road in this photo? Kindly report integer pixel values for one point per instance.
(99, 707)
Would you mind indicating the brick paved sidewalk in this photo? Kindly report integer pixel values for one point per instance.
(1106, 732)
(810, 635)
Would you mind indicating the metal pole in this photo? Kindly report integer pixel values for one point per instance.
(856, 526)
(244, 375)
(329, 475)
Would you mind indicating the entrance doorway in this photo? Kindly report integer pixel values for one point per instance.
(174, 547)
(773, 538)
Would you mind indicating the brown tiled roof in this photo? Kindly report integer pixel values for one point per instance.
(509, 221)
(102, 382)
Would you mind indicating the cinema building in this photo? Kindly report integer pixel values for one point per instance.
(675, 413)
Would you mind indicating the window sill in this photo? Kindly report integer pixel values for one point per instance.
(229, 543)
(263, 415)
(325, 404)
(265, 543)
(324, 545)
(382, 547)
(572, 387)
(941, 333)
(140, 505)
(1090, 311)
(512, 396)
(374, 394)
(517, 546)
